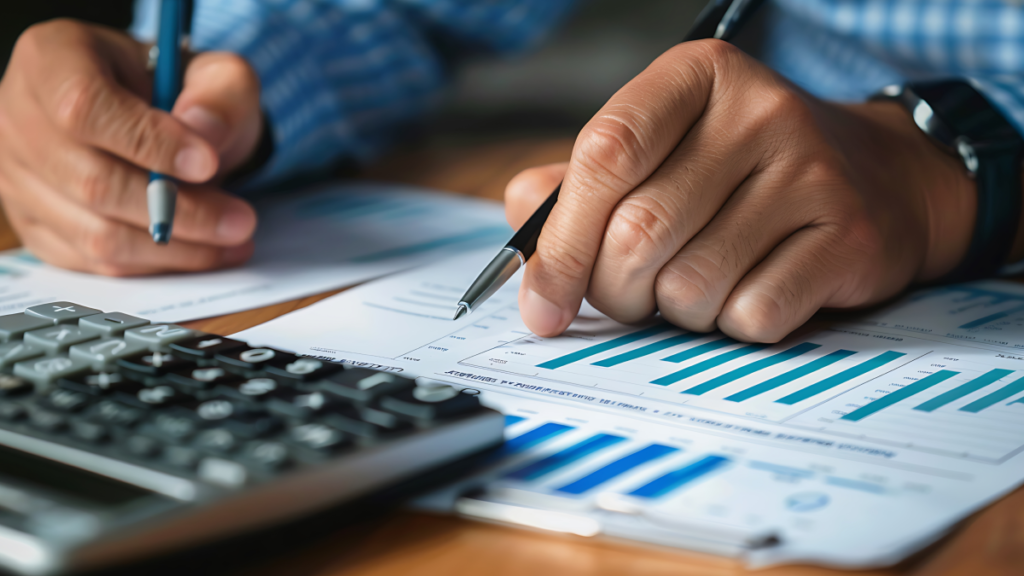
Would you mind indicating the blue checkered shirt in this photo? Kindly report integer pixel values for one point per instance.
(341, 78)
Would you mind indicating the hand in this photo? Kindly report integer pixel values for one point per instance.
(714, 191)
(79, 137)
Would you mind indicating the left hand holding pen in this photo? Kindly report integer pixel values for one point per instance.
(714, 191)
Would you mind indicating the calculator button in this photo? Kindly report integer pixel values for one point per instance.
(13, 386)
(13, 326)
(205, 346)
(100, 384)
(114, 413)
(153, 397)
(141, 446)
(57, 339)
(64, 400)
(233, 416)
(355, 423)
(61, 312)
(317, 438)
(251, 358)
(433, 402)
(13, 352)
(267, 455)
(172, 427)
(102, 353)
(154, 363)
(223, 472)
(182, 457)
(157, 337)
(111, 324)
(302, 369)
(47, 420)
(89, 431)
(251, 390)
(43, 371)
(10, 411)
(216, 440)
(302, 405)
(362, 385)
(203, 378)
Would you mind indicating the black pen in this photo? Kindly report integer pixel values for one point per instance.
(719, 19)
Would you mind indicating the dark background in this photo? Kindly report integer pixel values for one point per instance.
(549, 92)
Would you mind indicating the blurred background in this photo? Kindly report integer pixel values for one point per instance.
(549, 92)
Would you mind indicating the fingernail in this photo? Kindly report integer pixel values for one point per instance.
(236, 255)
(210, 126)
(540, 314)
(194, 164)
(236, 223)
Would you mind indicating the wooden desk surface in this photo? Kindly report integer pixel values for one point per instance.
(990, 543)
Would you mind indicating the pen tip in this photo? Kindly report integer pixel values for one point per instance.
(161, 233)
(460, 312)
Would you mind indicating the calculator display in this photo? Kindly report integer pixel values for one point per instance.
(65, 480)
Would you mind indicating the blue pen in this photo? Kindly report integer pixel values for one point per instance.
(162, 190)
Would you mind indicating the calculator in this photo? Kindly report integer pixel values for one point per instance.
(121, 438)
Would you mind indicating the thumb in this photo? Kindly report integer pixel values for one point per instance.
(220, 101)
(529, 189)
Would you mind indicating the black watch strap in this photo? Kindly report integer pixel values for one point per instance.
(963, 122)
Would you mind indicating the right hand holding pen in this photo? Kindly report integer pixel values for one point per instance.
(78, 137)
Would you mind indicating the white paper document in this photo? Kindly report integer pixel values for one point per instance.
(852, 446)
(306, 242)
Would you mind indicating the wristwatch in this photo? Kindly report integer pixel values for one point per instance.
(962, 122)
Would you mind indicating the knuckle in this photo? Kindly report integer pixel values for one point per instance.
(94, 187)
(714, 50)
(641, 227)
(686, 296)
(608, 147)
(100, 243)
(560, 260)
(77, 99)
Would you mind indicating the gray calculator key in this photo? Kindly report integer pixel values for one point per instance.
(57, 339)
(111, 323)
(157, 336)
(13, 326)
(102, 353)
(43, 371)
(61, 312)
(13, 352)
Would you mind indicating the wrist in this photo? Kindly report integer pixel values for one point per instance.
(946, 194)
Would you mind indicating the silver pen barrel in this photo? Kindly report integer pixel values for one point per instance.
(494, 276)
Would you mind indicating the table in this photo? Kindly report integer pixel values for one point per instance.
(990, 543)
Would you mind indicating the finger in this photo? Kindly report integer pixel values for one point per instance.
(78, 85)
(114, 188)
(527, 190)
(105, 246)
(617, 150)
(220, 101)
(814, 267)
(711, 170)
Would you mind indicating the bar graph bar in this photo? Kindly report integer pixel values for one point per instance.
(545, 466)
(962, 390)
(708, 364)
(529, 439)
(620, 466)
(992, 318)
(840, 378)
(674, 480)
(899, 395)
(510, 420)
(604, 346)
(786, 378)
(698, 350)
(996, 397)
(647, 350)
(749, 369)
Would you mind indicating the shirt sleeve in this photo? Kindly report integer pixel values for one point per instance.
(341, 78)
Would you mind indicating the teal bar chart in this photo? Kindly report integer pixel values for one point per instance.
(604, 347)
(844, 376)
(1012, 389)
(899, 395)
(786, 378)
